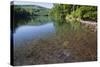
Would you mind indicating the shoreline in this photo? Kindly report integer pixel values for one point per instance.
(90, 24)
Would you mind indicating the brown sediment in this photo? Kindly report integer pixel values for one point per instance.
(78, 46)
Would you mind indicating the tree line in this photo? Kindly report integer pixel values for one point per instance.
(74, 11)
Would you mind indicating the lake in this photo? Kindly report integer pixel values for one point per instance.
(27, 33)
(42, 40)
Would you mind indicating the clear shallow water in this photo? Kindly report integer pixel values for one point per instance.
(44, 41)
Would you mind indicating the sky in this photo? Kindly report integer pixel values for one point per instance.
(47, 5)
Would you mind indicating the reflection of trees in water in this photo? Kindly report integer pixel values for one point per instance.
(22, 17)
(37, 20)
(62, 25)
(22, 14)
(18, 22)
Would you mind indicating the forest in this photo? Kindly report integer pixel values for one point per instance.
(71, 12)
(29, 11)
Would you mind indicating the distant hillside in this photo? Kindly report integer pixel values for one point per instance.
(33, 9)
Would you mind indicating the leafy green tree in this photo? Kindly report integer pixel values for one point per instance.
(60, 11)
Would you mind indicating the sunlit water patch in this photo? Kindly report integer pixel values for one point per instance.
(28, 33)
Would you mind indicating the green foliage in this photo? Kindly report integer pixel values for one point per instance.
(60, 9)
(21, 13)
(74, 11)
(29, 11)
(59, 12)
(88, 13)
